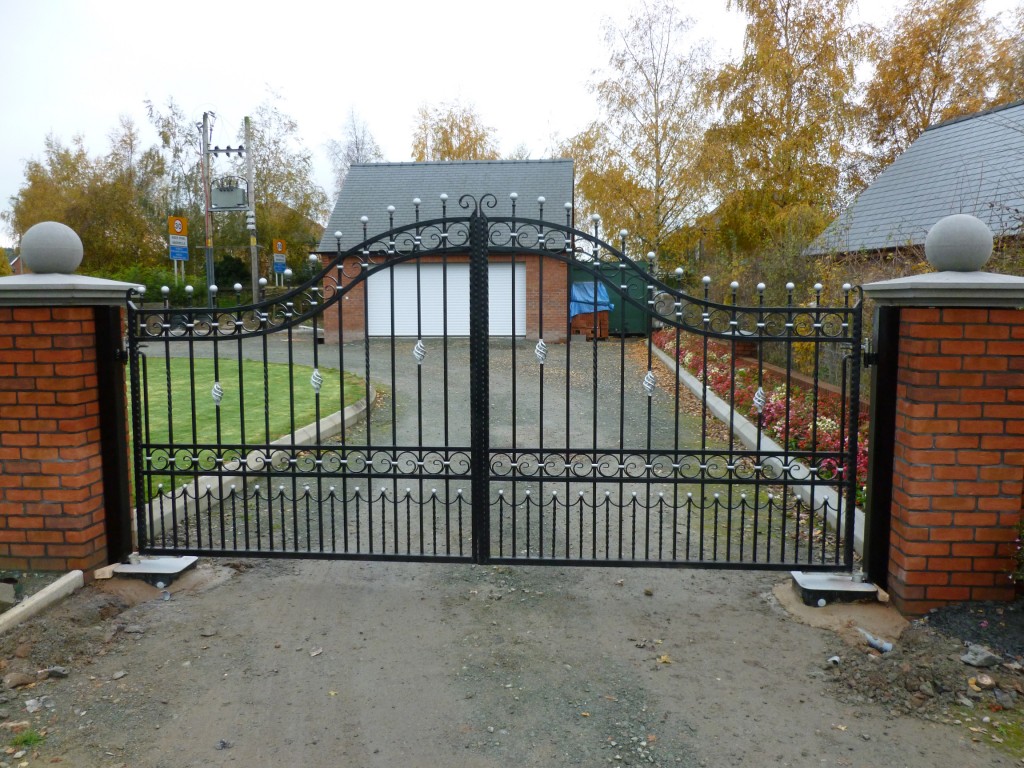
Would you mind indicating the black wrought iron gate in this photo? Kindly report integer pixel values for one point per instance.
(443, 391)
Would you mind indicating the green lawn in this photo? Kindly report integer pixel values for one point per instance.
(257, 412)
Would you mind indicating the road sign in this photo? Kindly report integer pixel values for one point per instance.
(177, 225)
(280, 263)
(179, 248)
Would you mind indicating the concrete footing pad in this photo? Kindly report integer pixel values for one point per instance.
(820, 589)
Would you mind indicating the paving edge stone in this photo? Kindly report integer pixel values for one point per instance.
(66, 585)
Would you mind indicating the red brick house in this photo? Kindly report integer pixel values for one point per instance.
(409, 298)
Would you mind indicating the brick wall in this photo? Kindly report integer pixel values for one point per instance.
(52, 514)
(958, 470)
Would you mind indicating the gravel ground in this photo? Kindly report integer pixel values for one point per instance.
(375, 664)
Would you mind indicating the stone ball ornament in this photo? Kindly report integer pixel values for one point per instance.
(51, 248)
(958, 243)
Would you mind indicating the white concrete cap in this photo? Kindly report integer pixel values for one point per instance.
(51, 248)
(958, 243)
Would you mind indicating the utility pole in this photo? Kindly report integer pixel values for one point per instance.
(209, 212)
(250, 222)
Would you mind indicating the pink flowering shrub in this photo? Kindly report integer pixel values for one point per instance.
(806, 431)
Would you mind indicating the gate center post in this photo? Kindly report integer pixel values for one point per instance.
(479, 387)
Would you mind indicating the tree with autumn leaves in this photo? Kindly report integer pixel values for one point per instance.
(745, 161)
(640, 166)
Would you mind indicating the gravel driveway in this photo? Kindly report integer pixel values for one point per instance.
(268, 663)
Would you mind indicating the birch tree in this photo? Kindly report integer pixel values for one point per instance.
(452, 131)
(640, 164)
(786, 121)
(356, 146)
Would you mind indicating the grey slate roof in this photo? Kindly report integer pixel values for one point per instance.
(973, 164)
(371, 187)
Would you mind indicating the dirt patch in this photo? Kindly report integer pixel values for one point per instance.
(878, 619)
(925, 674)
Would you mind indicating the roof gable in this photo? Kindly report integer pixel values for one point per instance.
(371, 187)
(973, 164)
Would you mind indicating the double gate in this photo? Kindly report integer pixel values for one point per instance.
(286, 428)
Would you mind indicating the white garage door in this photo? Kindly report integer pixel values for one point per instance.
(402, 281)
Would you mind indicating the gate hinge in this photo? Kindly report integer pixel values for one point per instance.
(870, 356)
(121, 355)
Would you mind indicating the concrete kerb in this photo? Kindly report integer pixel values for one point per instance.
(747, 434)
(67, 584)
(163, 509)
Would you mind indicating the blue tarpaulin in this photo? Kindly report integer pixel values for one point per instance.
(581, 299)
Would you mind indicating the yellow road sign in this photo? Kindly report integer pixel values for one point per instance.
(177, 225)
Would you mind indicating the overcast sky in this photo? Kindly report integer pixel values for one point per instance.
(74, 66)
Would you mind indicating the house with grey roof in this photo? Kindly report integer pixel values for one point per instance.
(371, 187)
(972, 164)
(429, 295)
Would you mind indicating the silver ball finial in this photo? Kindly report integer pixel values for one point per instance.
(958, 243)
(50, 247)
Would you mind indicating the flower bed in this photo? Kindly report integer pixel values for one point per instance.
(807, 430)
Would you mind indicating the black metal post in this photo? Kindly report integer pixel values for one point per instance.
(881, 442)
(479, 387)
(113, 432)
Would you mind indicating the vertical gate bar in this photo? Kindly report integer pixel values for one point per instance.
(784, 506)
(854, 420)
(365, 266)
(265, 323)
(734, 330)
(678, 308)
(479, 386)
(147, 532)
(419, 386)
(594, 384)
(650, 406)
(195, 431)
(293, 448)
(542, 244)
(173, 463)
(318, 453)
(393, 464)
(243, 434)
(758, 461)
(141, 434)
(218, 462)
(344, 431)
(624, 289)
(513, 241)
(444, 363)
(844, 472)
(815, 457)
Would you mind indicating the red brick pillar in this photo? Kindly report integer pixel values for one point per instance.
(956, 480)
(52, 513)
(57, 474)
(958, 469)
